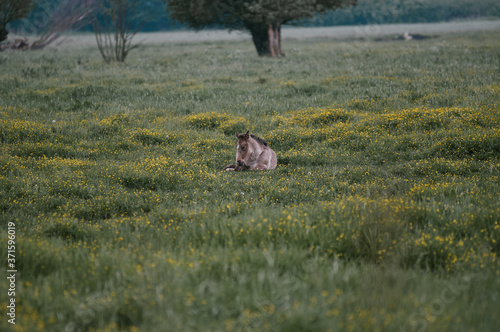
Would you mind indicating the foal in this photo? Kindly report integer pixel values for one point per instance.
(252, 152)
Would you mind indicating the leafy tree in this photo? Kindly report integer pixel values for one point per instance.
(11, 10)
(262, 18)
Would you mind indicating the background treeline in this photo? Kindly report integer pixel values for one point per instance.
(409, 11)
(153, 15)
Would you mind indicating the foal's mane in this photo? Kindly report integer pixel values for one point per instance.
(260, 140)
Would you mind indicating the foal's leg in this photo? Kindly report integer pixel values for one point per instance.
(264, 159)
(260, 167)
(241, 168)
(231, 167)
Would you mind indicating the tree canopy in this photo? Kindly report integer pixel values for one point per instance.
(11, 10)
(262, 18)
(238, 14)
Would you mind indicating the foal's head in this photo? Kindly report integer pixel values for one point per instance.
(243, 148)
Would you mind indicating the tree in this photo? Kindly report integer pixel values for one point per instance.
(113, 28)
(49, 20)
(261, 18)
(68, 14)
(11, 10)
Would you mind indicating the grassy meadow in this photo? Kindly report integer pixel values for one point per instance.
(382, 215)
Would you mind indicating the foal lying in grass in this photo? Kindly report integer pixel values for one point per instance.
(252, 152)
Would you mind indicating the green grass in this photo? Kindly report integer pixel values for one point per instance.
(382, 215)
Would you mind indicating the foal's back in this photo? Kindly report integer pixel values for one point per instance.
(265, 158)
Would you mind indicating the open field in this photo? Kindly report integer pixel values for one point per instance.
(382, 215)
(362, 32)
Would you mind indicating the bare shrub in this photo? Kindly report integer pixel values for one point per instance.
(112, 23)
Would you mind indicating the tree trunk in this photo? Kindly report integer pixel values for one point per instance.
(3, 32)
(274, 32)
(260, 38)
(267, 39)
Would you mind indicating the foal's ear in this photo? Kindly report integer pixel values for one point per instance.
(247, 135)
(237, 135)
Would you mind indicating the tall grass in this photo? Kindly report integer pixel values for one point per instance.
(383, 212)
